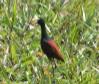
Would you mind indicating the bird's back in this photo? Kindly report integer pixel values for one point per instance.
(50, 48)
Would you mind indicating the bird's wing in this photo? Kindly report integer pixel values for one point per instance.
(54, 48)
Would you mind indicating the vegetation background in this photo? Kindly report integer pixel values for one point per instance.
(74, 25)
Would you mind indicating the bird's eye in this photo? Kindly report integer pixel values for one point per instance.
(40, 21)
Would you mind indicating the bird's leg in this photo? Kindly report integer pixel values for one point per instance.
(51, 63)
(55, 65)
(52, 68)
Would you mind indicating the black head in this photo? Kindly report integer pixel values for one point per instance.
(41, 22)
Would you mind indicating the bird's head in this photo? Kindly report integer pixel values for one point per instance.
(41, 22)
(36, 20)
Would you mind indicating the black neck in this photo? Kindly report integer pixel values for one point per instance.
(43, 32)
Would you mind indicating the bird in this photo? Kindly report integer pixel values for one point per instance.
(48, 45)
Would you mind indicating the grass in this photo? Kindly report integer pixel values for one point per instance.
(74, 27)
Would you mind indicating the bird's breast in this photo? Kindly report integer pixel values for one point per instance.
(45, 47)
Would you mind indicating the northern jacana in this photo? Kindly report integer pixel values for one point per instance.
(48, 45)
